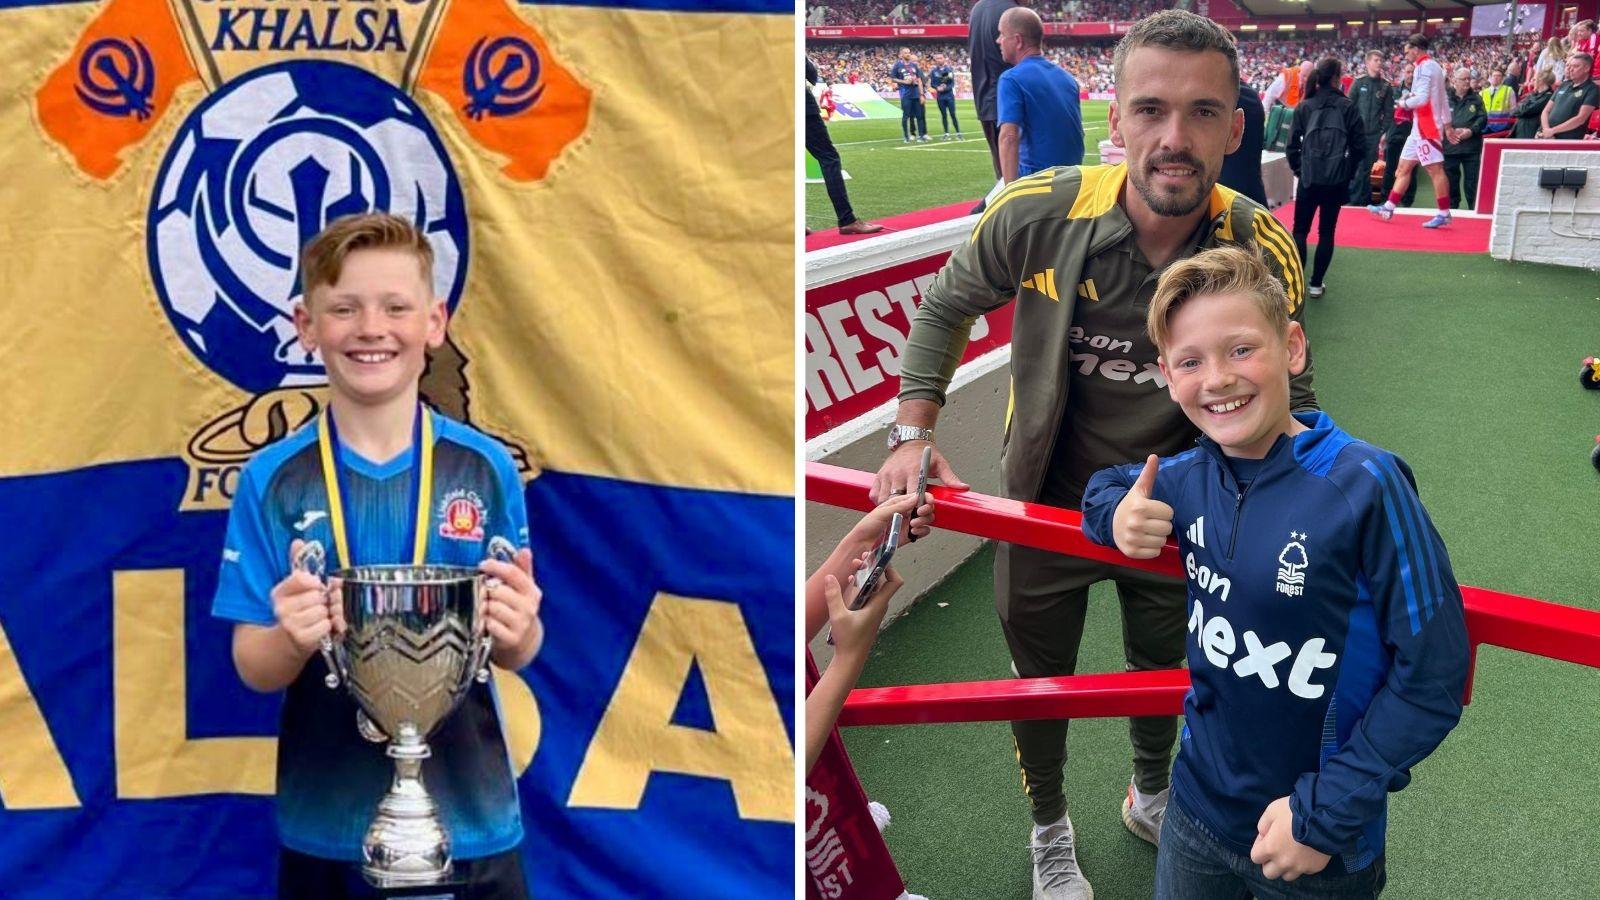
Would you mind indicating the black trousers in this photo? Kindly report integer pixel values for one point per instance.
(302, 877)
(1322, 202)
(1361, 179)
(947, 108)
(913, 118)
(991, 133)
(1462, 173)
(820, 146)
(1391, 162)
(1042, 598)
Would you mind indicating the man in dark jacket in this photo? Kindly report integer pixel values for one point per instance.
(1526, 114)
(983, 30)
(1241, 169)
(1463, 147)
(1373, 98)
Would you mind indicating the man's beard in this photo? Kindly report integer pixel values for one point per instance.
(1163, 204)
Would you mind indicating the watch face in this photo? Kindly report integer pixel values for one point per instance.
(899, 434)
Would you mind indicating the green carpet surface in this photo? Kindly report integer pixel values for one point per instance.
(1466, 367)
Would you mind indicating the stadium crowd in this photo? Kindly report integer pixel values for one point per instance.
(954, 12)
(1260, 60)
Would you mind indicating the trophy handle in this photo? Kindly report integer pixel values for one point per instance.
(504, 551)
(369, 729)
(314, 559)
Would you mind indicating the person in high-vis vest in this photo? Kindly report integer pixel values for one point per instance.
(1288, 87)
(1498, 99)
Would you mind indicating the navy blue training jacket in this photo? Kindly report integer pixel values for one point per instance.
(1327, 648)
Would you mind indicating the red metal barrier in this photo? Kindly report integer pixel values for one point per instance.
(1502, 620)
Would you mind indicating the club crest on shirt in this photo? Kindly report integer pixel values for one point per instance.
(461, 515)
(1292, 563)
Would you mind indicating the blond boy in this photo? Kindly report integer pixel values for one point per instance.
(1326, 645)
(370, 310)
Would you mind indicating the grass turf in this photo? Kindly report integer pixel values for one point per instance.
(1466, 367)
(888, 177)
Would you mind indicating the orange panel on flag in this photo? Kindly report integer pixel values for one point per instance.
(506, 87)
(116, 84)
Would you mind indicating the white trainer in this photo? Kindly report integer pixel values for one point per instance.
(1056, 875)
(1144, 819)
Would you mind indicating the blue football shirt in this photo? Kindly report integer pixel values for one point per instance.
(903, 69)
(329, 778)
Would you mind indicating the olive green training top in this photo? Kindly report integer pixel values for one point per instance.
(1086, 392)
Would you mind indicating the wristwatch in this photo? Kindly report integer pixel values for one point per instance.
(899, 434)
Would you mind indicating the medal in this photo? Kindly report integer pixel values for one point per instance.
(333, 479)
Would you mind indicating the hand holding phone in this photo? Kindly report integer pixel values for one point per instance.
(870, 576)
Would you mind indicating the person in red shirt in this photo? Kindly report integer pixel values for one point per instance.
(1583, 39)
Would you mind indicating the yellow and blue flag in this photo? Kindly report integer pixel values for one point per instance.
(608, 189)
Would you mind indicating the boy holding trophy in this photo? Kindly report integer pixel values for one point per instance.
(380, 482)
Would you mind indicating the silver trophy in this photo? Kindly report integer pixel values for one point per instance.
(414, 642)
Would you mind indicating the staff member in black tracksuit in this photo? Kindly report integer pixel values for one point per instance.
(1526, 114)
(1463, 145)
(943, 81)
(1373, 98)
(1395, 141)
(1326, 141)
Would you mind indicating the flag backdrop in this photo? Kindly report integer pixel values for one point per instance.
(609, 192)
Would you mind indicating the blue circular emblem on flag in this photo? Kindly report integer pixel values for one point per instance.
(260, 168)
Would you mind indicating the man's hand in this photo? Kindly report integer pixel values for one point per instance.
(865, 533)
(898, 478)
(511, 610)
(1141, 523)
(1277, 852)
(305, 608)
(899, 474)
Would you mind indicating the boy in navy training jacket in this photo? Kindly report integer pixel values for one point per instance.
(1327, 648)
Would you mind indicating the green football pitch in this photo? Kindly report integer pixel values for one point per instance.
(1467, 367)
(889, 177)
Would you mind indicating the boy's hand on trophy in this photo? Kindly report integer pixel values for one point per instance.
(512, 610)
(300, 602)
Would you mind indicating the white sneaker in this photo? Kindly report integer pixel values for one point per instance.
(1314, 291)
(880, 813)
(1056, 875)
(1144, 819)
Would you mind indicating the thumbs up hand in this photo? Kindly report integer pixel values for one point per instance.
(1141, 523)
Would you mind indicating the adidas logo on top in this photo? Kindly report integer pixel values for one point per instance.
(1197, 533)
(1043, 282)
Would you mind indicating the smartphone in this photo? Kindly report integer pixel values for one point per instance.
(922, 486)
(870, 577)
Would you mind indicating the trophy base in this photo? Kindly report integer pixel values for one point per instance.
(445, 890)
(406, 846)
